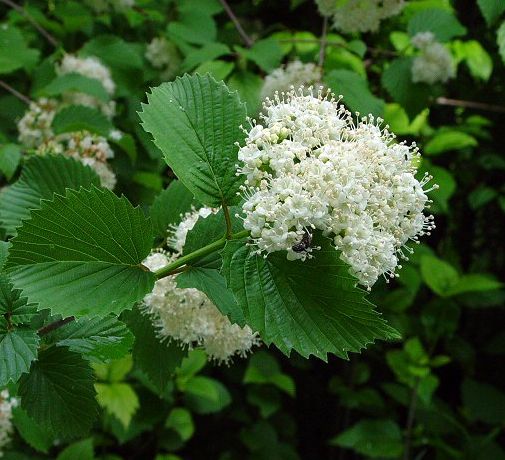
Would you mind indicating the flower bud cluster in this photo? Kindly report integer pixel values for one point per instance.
(295, 74)
(186, 314)
(6, 405)
(434, 63)
(352, 16)
(311, 166)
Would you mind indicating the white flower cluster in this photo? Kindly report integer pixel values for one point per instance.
(295, 74)
(90, 67)
(6, 405)
(310, 166)
(187, 315)
(90, 149)
(434, 64)
(163, 55)
(352, 16)
(35, 125)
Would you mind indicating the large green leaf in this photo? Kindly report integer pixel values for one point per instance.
(82, 253)
(97, 339)
(58, 392)
(354, 88)
(158, 360)
(312, 307)
(40, 178)
(18, 342)
(35, 434)
(195, 121)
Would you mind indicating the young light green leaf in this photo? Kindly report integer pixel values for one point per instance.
(118, 399)
(40, 178)
(449, 140)
(312, 307)
(58, 392)
(439, 275)
(81, 254)
(195, 121)
(500, 40)
(181, 421)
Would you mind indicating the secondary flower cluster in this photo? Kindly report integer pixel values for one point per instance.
(295, 74)
(186, 314)
(163, 55)
(6, 405)
(35, 130)
(352, 16)
(310, 166)
(434, 63)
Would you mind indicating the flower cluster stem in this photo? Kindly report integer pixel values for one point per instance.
(174, 267)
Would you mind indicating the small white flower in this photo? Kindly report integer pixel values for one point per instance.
(310, 166)
(163, 55)
(434, 63)
(35, 125)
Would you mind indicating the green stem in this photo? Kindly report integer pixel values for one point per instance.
(174, 267)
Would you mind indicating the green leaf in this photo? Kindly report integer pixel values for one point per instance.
(483, 402)
(58, 393)
(18, 343)
(35, 434)
(474, 282)
(373, 438)
(249, 87)
(218, 69)
(10, 155)
(312, 307)
(264, 369)
(478, 60)
(491, 9)
(169, 206)
(80, 450)
(158, 360)
(73, 82)
(200, 146)
(397, 80)
(500, 40)
(439, 275)
(445, 141)
(481, 196)
(40, 178)
(443, 24)
(266, 53)
(204, 395)
(206, 53)
(181, 421)
(97, 339)
(355, 90)
(14, 53)
(92, 263)
(118, 399)
(81, 118)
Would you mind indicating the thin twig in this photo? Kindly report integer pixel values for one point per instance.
(15, 92)
(247, 40)
(56, 325)
(410, 421)
(322, 49)
(470, 104)
(30, 19)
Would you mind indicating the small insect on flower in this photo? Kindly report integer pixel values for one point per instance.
(304, 243)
